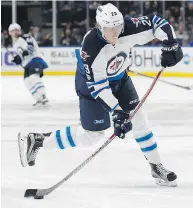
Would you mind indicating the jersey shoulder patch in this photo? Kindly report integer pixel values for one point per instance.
(28, 38)
(25, 36)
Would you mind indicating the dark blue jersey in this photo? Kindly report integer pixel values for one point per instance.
(101, 62)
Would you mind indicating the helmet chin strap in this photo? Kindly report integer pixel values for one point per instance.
(103, 35)
(102, 31)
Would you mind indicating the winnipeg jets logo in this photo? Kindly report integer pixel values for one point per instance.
(135, 21)
(141, 20)
(115, 63)
(84, 55)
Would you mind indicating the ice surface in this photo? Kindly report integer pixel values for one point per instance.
(119, 176)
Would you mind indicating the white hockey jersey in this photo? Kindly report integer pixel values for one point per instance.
(21, 44)
(101, 62)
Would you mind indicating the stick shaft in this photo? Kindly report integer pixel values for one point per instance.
(164, 81)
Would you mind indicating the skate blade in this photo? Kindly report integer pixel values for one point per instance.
(161, 182)
(41, 105)
(22, 144)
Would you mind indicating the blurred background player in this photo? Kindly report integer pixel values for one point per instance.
(104, 87)
(29, 57)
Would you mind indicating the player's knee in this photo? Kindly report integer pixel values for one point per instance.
(35, 77)
(89, 138)
(31, 80)
(92, 137)
(139, 121)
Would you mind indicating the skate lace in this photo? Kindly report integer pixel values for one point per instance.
(36, 149)
(34, 154)
(162, 170)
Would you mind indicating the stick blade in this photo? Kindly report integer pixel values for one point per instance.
(30, 192)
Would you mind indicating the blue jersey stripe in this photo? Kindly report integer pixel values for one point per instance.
(162, 22)
(118, 77)
(155, 20)
(69, 136)
(114, 108)
(89, 84)
(59, 140)
(145, 138)
(94, 94)
(80, 62)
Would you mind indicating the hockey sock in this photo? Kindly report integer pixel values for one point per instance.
(72, 136)
(35, 86)
(144, 137)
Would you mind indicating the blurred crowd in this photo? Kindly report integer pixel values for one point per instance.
(72, 19)
(43, 39)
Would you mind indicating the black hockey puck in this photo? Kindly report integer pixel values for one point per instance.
(38, 197)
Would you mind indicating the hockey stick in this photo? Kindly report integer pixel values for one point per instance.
(161, 80)
(10, 52)
(40, 193)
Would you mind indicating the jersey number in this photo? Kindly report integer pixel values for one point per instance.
(114, 13)
(86, 68)
(145, 20)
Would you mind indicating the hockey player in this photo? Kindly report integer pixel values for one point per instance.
(104, 88)
(30, 58)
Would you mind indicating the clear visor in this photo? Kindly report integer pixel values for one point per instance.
(115, 29)
(17, 30)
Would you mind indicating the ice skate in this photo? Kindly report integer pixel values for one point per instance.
(43, 102)
(38, 103)
(28, 147)
(163, 177)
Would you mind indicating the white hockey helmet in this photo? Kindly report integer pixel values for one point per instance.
(108, 15)
(14, 26)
